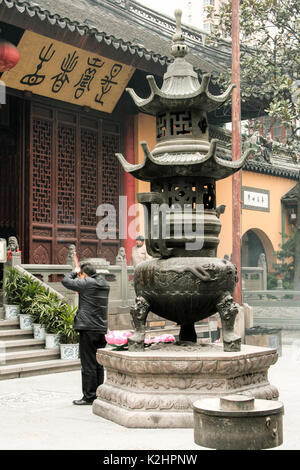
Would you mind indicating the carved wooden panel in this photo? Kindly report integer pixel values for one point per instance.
(109, 251)
(61, 255)
(42, 232)
(88, 251)
(41, 253)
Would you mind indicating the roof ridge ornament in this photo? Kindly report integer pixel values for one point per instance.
(179, 48)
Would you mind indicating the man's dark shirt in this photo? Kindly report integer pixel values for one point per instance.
(93, 301)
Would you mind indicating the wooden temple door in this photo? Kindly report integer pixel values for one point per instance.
(9, 169)
(72, 171)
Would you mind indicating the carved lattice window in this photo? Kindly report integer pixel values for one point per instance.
(66, 175)
(70, 176)
(89, 168)
(41, 171)
(110, 170)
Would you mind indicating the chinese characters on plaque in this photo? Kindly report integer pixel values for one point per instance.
(54, 69)
(256, 199)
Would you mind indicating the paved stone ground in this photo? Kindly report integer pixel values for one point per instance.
(37, 413)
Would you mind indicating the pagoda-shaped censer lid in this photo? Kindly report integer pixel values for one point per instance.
(181, 106)
(181, 87)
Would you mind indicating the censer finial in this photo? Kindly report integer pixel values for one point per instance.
(179, 48)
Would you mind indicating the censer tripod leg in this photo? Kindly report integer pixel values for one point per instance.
(228, 310)
(188, 333)
(139, 312)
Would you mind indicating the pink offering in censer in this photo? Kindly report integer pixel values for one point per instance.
(161, 339)
(118, 337)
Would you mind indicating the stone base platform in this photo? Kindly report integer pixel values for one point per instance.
(156, 388)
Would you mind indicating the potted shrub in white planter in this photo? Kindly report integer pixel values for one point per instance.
(69, 338)
(30, 290)
(13, 286)
(39, 331)
(51, 340)
(50, 317)
(45, 313)
(25, 321)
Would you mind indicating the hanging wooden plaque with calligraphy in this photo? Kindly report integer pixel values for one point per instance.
(57, 70)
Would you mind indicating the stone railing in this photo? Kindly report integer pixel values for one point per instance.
(45, 274)
(268, 298)
(274, 308)
(44, 284)
(45, 271)
(119, 277)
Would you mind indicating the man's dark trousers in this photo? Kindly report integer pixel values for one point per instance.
(92, 373)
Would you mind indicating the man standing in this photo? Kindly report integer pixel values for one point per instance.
(91, 323)
(139, 252)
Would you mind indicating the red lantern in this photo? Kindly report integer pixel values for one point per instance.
(9, 56)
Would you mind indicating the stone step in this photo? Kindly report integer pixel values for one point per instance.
(22, 344)
(38, 368)
(17, 357)
(12, 334)
(9, 324)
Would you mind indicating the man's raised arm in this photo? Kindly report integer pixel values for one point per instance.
(70, 281)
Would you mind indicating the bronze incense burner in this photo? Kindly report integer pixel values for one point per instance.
(185, 281)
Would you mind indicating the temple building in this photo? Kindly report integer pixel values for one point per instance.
(67, 114)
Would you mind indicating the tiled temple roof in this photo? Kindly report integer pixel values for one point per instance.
(291, 195)
(274, 168)
(280, 163)
(142, 34)
(126, 25)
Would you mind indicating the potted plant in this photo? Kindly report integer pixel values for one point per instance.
(31, 289)
(68, 337)
(39, 331)
(50, 317)
(45, 313)
(13, 287)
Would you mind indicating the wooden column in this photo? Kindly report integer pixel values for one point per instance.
(236, 149)
(129, 182)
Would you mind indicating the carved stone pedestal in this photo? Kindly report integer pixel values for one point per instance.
(156, 388)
